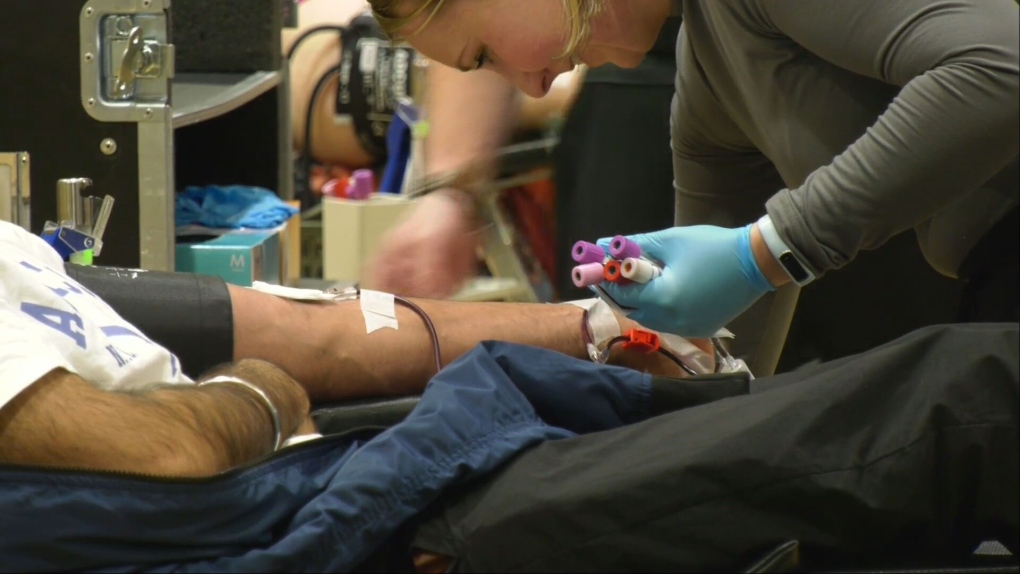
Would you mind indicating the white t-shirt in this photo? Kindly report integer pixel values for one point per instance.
(47, 321)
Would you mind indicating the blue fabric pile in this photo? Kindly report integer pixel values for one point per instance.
(230, 207)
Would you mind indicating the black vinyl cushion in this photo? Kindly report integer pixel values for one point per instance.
(338, 418)
(668, 394)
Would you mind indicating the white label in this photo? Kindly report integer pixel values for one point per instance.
(369, 50)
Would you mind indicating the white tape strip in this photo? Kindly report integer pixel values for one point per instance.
(296, 294)
(379, 310)
(601, 319)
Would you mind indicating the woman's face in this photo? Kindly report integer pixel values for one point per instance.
(522, 40)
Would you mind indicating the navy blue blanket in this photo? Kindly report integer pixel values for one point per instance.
(324, 505)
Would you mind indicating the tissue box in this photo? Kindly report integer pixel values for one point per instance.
(352, 230)
(239, 258)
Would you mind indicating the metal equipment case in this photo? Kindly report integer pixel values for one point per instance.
(144, 97)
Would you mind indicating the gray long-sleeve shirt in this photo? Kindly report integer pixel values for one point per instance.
(851, 120)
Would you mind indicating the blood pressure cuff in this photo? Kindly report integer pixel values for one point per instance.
(375, 76)
(188, 314)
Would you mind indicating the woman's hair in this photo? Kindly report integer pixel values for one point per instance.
(579, 14)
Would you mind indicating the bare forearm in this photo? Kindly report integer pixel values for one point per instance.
(326, 348)
(238, 436)
(175, 430)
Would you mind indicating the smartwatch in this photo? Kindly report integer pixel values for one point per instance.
(794, 267)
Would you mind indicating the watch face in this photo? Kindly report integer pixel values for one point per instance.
(796, 270)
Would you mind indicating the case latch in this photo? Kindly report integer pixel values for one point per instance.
(127, 60)
(138, 58)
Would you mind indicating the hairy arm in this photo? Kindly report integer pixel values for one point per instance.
(327, 349)
(175, 430)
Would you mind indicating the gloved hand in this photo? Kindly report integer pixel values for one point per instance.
(709, 277)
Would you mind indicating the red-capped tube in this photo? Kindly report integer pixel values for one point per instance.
(612, 272)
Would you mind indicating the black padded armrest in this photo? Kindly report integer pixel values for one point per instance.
(670, 394)
(337, 418)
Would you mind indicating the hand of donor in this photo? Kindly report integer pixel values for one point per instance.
(709, 277)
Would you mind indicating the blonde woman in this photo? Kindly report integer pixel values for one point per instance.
(600, 153)
(803, 132)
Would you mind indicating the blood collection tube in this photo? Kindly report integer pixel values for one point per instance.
(639, 270)
(362, 184)
(587, 274)
(584, 252)
(612, 272)
(621, 248)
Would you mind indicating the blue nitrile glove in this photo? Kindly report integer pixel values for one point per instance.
(709, 277)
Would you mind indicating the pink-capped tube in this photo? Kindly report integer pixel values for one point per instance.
(362, 184)
(587, 274)
(639, 270)
(622, 248)
(584, 252)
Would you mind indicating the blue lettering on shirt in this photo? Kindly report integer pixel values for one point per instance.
(62, 321)
(122, 331)
(122, 357)
(71, 324)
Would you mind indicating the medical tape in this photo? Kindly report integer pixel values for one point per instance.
(379, 310)
(309, 295)
(601, 320)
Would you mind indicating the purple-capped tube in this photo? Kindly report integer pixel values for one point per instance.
(362, 184)
(587, 275)
(622, 248)
(639, 270)
(584, 252)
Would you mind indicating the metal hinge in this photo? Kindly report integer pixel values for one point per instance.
(126, 60)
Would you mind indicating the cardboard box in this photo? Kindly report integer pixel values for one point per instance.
(239, 258)
(352, 231)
